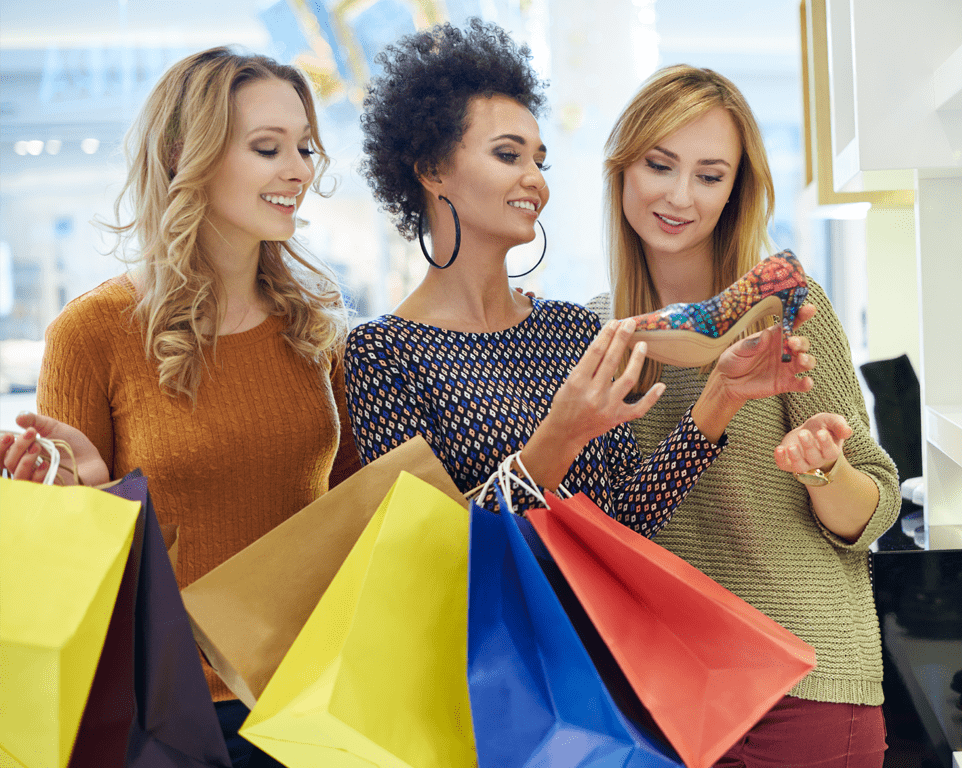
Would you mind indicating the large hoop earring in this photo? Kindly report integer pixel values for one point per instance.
(543, 251)
(457, 236)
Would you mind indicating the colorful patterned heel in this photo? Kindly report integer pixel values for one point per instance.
(692, 335)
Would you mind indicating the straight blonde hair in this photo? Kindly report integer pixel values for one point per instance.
(174, 149)
(669, 100)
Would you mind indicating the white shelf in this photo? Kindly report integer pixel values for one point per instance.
(894, 78)
(943, 426)
(896, 89)
(947, 83)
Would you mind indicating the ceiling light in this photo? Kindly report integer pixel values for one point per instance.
(89, 145)
(53, 146)
(35, 147)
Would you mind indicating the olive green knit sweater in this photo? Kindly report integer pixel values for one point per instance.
(750, 526)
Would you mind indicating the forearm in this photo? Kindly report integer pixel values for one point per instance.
(845, 505)
(645, 498)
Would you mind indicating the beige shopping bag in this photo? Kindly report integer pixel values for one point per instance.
(247, 612)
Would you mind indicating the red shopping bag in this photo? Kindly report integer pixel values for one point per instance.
(706, 664)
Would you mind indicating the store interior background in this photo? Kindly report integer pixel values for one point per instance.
(74, 76)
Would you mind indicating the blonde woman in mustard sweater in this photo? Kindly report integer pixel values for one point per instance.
(785, 516)
(215, 365)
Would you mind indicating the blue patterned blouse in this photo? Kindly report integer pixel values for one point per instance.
(477, 397)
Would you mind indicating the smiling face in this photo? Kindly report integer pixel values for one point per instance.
(494, 176)
(675, 193)
(265, 172)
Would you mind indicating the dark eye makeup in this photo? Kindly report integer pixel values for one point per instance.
(661, 168)
(511, 156)
(305, 151)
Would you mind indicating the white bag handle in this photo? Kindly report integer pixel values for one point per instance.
(50, 447)
(506, 478)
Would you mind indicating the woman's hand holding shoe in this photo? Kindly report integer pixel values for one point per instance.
(589, 403)
(750, 370)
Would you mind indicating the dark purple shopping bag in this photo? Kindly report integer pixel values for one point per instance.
(149, 706)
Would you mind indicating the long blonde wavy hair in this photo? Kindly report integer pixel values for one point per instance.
(174, 149)
(670, 99)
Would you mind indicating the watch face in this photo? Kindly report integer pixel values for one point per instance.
(814, 478)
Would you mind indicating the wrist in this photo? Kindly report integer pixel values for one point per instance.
(715, 408)
(548, 454)
(820, 476)
(562, 440)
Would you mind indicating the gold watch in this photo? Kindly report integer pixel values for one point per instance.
(816, 477)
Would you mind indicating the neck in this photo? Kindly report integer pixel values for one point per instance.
(235, 264)
(473, 295)
(682, 278)
(239, 300)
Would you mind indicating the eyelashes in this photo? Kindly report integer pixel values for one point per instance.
(512, 157)
(661, 168)
(305, 152)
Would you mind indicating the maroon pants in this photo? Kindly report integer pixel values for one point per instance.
(797, 733)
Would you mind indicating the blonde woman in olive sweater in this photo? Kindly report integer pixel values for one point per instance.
(785, 517)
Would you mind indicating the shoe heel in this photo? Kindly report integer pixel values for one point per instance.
(792, 299)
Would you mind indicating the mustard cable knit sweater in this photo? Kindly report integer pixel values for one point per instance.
(262, 443)
(750, 526)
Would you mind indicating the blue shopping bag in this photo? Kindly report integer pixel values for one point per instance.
(537, 698)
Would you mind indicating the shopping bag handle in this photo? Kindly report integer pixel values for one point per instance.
(506, 477)
(51, 450)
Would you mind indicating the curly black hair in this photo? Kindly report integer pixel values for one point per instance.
(415, 112)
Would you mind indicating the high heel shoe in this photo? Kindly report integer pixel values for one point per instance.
(693, 335)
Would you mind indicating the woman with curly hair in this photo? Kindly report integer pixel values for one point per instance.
(225, 342)
(785, 518)
(480, 371)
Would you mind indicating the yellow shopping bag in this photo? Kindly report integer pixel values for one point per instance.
(378, 674)
(62, 555)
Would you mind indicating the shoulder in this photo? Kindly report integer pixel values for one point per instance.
(100, 311)
(374, 343)
(826, 324)
(601, 306)
(565, 312)
(379, 330)
(114, 295)
(818, 297)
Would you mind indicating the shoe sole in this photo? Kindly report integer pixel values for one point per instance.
(690, 349)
